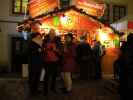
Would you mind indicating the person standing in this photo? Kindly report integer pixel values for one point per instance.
(35, 62)
(85, 59)
(51, 59)
(98, 52)
(69, 62)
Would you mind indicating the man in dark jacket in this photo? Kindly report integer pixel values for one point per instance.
(35, 62)
(85, 60)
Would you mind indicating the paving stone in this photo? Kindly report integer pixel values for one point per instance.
(82, 90)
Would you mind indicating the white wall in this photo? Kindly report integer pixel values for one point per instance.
(8, 23)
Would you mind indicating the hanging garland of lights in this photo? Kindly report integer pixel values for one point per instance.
(25, 24)
(30, 20)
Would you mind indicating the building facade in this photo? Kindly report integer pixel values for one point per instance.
(9, 21)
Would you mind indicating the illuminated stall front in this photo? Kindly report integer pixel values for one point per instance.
(78, 19)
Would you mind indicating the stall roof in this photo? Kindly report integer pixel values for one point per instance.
(92, 7)
(70, 19)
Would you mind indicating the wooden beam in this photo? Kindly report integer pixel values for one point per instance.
(9, 21)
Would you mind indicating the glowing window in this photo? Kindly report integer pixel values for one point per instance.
(19, 6)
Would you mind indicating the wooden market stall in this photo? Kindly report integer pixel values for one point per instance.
(82, 18)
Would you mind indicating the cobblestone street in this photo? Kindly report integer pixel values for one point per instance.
(17, 89)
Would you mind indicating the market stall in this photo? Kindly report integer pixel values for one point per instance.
(80, 19)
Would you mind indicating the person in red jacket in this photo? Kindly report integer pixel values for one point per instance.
(51, 59)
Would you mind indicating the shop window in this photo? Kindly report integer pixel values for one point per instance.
(19, 6)
(118, 12)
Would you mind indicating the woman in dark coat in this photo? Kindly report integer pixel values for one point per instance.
(35, 61)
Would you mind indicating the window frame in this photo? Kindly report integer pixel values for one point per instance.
(21, 5)
(119, 11)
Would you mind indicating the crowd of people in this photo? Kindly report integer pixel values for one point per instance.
(62, 59)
